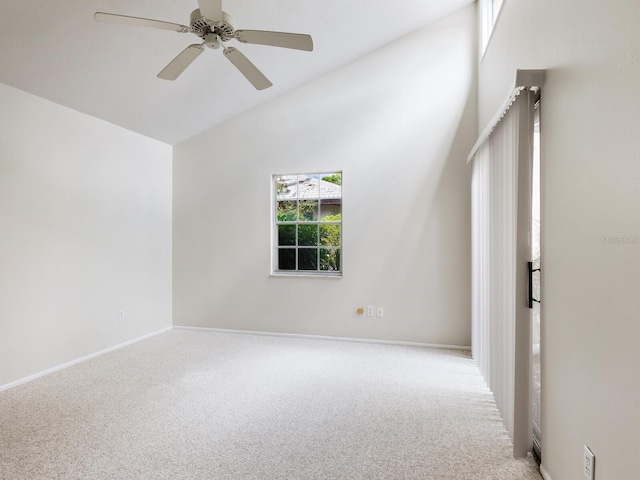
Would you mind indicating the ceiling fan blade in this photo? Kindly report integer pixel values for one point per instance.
(211, 9)
(181, 62)
(248, 69)
(139, 22)
(296, 41)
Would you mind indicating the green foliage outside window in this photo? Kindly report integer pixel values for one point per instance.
(335, 178)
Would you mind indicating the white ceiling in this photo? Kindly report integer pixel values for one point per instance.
(55, 50)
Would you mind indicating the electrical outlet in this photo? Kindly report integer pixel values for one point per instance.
(589, 464)
(121, 315)
(370, 310)
(380, 312)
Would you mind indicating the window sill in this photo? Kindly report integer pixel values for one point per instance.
(305, 275)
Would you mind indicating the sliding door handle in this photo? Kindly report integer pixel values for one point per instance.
(531, 270)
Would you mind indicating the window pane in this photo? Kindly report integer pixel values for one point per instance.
(308, 235)
(308, 259)
(286, 234)
(330, 259)
(330, 210)
(287, 187)
(330, 235)
(332, 178)
(286, 259)
(307, 187)
(308, 210)
(330, 195)
(287, 211)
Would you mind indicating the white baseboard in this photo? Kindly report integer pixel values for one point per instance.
(544, 473)
(35, 376)
(323, 337)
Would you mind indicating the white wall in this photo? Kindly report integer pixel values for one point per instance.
(399, 123)
(590, 220)
(85, 230)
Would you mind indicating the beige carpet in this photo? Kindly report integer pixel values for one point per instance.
(202, 405)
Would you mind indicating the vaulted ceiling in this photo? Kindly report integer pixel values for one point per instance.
(57, 51)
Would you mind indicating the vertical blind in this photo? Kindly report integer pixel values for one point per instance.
(500, 249)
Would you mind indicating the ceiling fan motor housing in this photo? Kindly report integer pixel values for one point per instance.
(203, 27)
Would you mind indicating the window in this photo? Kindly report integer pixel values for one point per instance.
(307, 218)
(489, 11)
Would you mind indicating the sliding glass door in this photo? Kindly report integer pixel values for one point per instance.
(502, 199)
(535, 289)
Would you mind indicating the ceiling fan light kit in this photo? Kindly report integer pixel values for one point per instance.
(215, 28)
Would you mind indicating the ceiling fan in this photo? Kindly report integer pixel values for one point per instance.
(215, 28)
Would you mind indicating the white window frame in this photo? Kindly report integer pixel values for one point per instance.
(275, 223)
(489, 12)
